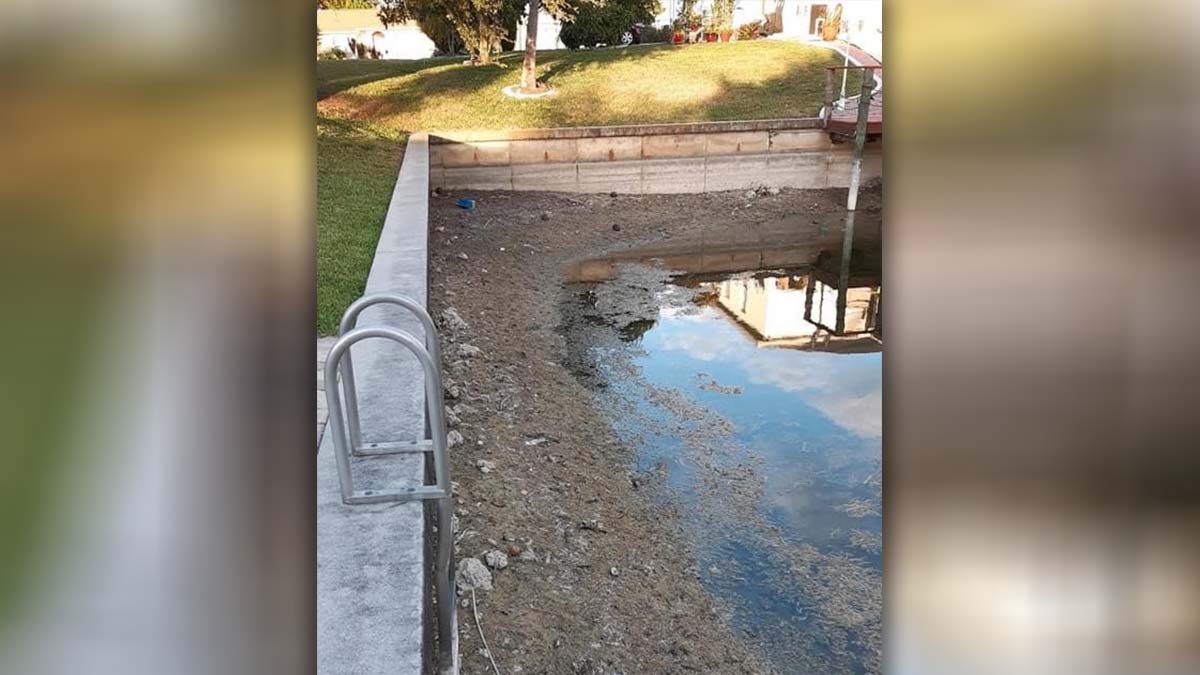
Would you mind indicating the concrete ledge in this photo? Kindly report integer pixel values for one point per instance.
(440, 137)
(463, 152)
(808, 170)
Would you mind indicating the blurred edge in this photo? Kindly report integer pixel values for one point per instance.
(155, 488)
(1041, 374)
(156, 506)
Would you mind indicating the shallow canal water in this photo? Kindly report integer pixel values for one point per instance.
(755, 416)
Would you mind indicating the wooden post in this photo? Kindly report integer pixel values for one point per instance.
(844, 274)
(860, 140)
(860, 136)
(828, 95)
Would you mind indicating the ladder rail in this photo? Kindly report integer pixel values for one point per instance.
(348, 323)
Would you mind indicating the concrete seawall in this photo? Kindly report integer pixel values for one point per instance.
(372, 573)
(649, 159)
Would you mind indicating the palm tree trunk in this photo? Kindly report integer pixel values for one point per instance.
(529, 67)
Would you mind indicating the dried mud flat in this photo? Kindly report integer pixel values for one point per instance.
(591, 575)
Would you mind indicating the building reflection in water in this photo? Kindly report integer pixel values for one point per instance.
(799, 309)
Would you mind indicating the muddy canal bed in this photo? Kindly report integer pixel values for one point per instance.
(680, 485)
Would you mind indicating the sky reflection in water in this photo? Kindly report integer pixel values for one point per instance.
(807, 443)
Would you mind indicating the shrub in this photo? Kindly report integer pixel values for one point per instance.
(660, 34)
(332, 54)
(594, 24)
(752, 30)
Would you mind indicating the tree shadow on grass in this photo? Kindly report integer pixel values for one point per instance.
(658, 84)
(338, 76)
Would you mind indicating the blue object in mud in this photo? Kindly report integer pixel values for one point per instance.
(467, 204)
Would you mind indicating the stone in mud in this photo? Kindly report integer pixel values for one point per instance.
(528, 555)
(452, 321)
(472, 575)
(454, 438)
(496, 560)
(614, 571)
(484, 466)
(468, 351)
(462, 256)
(545, 215)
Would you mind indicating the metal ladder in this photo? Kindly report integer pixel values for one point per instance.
(347, 441)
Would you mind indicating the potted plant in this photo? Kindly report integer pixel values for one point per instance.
(688, 20)
(722, 18)
(710, 32)
(833, 25)
(679, 36)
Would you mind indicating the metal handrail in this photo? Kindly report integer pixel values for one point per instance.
(440, 492)
(349, 320)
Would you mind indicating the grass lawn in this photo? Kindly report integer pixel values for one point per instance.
(356, 171)
(366, 109)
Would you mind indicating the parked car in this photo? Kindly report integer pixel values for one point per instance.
(633, 36)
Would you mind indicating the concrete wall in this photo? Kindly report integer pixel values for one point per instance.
(649, 159)
(372, 585)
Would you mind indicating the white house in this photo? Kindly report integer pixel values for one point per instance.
(547, 33)
(361, 34)
(862, 19)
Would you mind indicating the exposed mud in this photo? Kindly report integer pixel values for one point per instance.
(611, 586)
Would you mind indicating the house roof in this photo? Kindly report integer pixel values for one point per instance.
(343, 20)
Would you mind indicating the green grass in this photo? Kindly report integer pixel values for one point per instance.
(356, 171)
(367, 108)
(741, 80)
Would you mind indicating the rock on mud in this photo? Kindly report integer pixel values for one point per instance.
(496, 560)
(472, 575)
(484, 466)
(454, 438)
(453, 321)
(468, 351)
